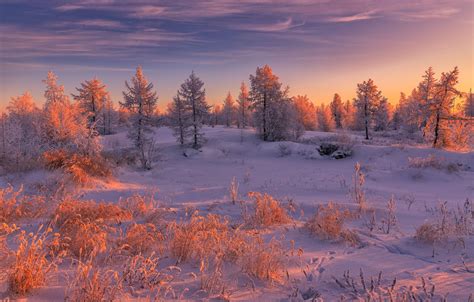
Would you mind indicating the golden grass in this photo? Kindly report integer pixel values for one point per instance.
(15, 205)
(84, 225)
(32, 263)
(267, 211)
(140, 239)
(91, 283)
(328, 223)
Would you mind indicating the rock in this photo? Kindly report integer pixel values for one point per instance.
(340, 154)
(327, 148)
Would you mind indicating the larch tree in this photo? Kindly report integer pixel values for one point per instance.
(422, 98)
(348, 120)
(382, 115)
(325, 118)
(469, 104)
(228, 110)
(366, 102)
(63, 124)
(179, 116)
(24, 132)
(440, 106)
(306, 113)
(192, 92)
(337, 110)
(139, 99)
(274, 111)
(92, 97)
(243, 102)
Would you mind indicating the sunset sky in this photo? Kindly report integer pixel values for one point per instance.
(317, 47)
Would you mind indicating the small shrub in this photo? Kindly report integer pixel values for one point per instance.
(15, 205)
(234, 190)
(328, 223)
(32, 263)
(262, 260)
(267, 211)
(91, 283)
(78, 166)
(358, 193)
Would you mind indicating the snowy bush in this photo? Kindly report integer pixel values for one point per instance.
(267, 211)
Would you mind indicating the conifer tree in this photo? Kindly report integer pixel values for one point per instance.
(243, 106)
(366, 102)
(92, 97)
(228, 110)
(139, 100)
(193, 94)
(337, 110)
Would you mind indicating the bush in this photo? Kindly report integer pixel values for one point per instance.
(267, 211)
(80, 167)
(15, 205)
(328, 223)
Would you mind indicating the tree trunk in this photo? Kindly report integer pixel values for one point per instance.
(366, 117)
(195, 144)
(264, 116)
(436, 130)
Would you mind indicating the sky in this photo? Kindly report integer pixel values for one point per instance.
(317, 47)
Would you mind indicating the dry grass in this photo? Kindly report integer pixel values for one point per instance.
(267, 211)
(328, 223)
(358, 193)
(84, 225)
(140, 239)
(262, 260)
(432, 161)
(447, 223)
(32, 263)
(201, 238)
(142, 272)
(15, 205)
(91, 283)
(81, 168)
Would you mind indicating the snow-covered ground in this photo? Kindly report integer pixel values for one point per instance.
(201, 180)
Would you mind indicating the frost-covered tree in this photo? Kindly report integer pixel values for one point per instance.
(244, 111)
(366, 102)
(306, 113)
(216, 115)
(348, 120)
(269, 101)
(337, 110)
(192, 92)
(179, 115)
(382, 115)
(325, 118)
(109, 117)
(440, 106)
(22, 132)
(228, 110)
(63, 125)
(469, 104)
(92, 97)
(422, 98)
(140, 99)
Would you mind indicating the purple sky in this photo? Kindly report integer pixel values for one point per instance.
(317, 47)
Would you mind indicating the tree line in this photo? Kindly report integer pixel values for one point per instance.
(264, 103)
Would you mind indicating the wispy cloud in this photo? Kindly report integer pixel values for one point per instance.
(438, 13)
(271, 27)
(355, 17)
